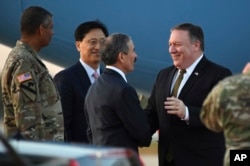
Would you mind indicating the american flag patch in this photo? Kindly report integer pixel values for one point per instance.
(24, 77)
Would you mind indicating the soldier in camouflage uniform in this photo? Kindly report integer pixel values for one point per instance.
(30, 99)
(227, 109)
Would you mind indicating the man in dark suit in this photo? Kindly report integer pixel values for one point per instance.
(183, 139)
(73, 82)
(113, 111)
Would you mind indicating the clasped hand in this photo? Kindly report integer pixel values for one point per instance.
(175, 106)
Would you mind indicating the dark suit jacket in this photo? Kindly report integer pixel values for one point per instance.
(192, 143)
(73, 84)
(114, 114)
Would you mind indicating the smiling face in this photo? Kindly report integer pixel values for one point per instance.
(89, 47)
(182, 49)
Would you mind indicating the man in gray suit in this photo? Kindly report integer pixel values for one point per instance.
(113, 111)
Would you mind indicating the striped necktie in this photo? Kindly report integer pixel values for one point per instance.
(95, 75)
(178, 82)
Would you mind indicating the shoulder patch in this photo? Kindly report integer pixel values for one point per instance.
(24, 77)
(29, 89)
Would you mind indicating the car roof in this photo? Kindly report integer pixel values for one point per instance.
(62, 149)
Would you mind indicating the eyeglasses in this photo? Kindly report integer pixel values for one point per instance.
(94, 42)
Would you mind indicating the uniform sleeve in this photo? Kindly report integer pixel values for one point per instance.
(211, 113)
(25, 97)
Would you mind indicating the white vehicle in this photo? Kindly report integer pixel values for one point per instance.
(31, 153)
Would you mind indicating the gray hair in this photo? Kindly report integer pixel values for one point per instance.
(112, 46)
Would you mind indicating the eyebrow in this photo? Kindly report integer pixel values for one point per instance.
(96, 38)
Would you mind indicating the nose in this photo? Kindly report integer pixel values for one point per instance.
(135, 59)
(98, 44)
(171, 49)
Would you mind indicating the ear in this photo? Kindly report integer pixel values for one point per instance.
(41, 29)
(121, 57)
(78, 44)
(197, 44)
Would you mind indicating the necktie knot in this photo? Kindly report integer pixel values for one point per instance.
(182, 71)
(95, 75)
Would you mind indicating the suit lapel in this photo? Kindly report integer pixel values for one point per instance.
(169, 81)
(164, 82)
(196, 74)
(82, 75)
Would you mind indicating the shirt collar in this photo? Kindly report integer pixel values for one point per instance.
(191, 68)
(117, 70)
(89, 69)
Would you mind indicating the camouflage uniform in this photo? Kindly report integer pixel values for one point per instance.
(30, 99)
(227, 109)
